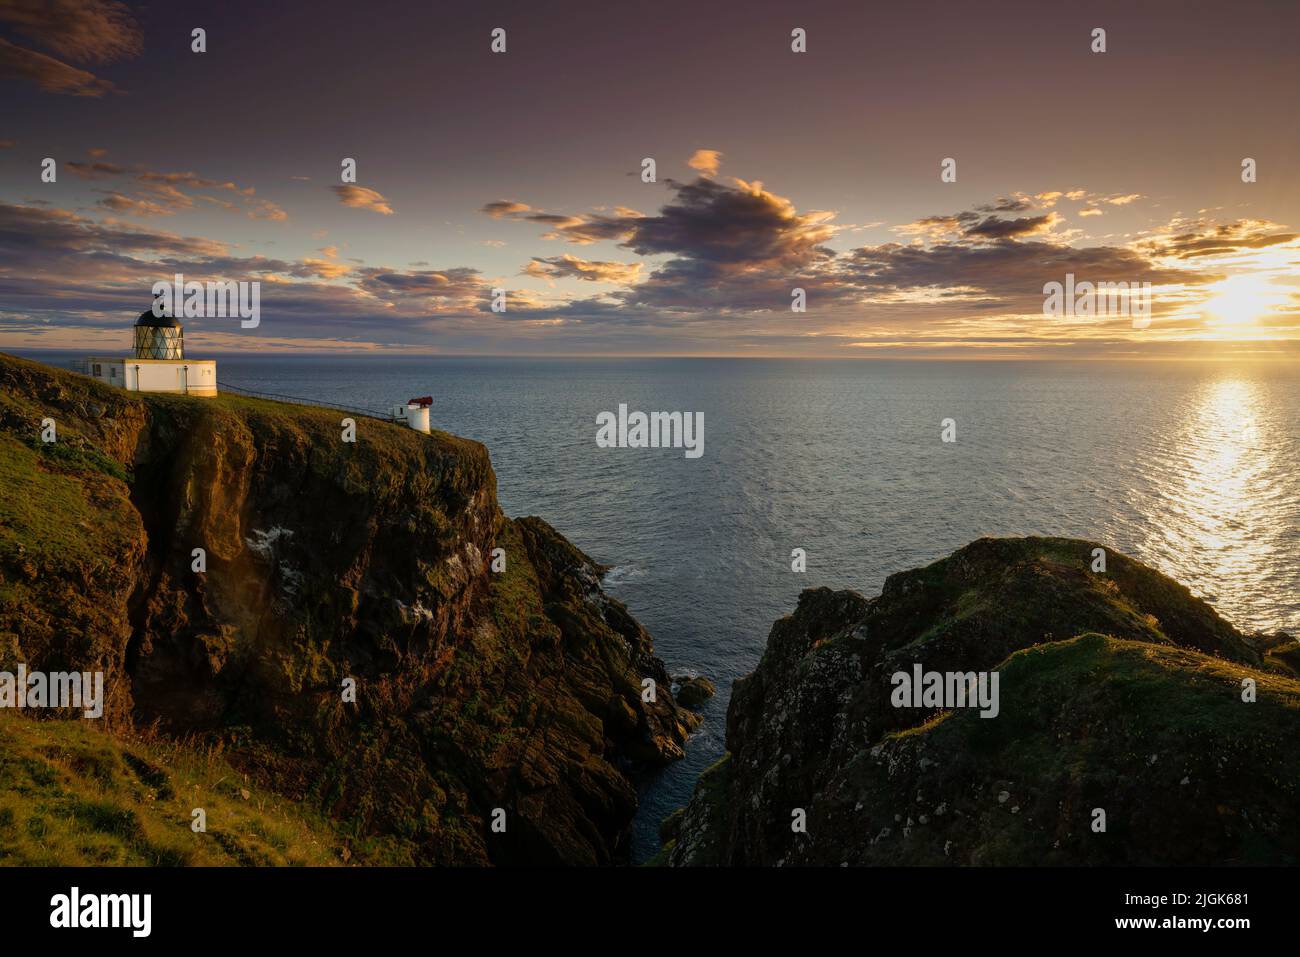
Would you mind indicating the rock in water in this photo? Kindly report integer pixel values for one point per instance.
(693, 692)
(1099, 673)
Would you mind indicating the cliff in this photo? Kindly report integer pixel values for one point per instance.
(1119, 691)
(326, 561)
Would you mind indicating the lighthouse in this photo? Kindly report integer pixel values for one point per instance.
(417, 413)
(157, 363)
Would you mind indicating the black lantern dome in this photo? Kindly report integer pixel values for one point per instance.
(158, 337)
(147, 318)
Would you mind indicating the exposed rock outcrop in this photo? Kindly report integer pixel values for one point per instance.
(327, 561)
(1119, 691)
(693, 691)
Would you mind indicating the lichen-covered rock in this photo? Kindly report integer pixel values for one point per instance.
(327, 562)
(1119, 691)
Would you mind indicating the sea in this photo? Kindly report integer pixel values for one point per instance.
(1193, 468)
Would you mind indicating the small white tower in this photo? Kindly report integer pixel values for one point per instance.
(417, 413)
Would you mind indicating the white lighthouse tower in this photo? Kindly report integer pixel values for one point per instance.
(158, 363)
(417, 413)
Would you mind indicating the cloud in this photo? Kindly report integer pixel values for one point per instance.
(504, 208)
(938, 227)
(743, 223)
(188, 179)
(1015, 204)
(567, 266)
(737, 249)
(133, 206)
(82, 31)
(159, 193)
(706, 162)
(51, 75)
(969, 224)
(581, 230)
(27, 231)
(322, 268)
(265, 209)
(1008, 274)
(995, 228)
(461, 285)
(732, 247)
(7, 144)
(96, 170)
(88, 31)
(1198, 238)
(361, 197)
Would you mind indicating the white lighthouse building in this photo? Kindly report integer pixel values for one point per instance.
(417, 413)
(158, 363)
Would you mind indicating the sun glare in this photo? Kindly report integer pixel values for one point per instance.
(1241, 301)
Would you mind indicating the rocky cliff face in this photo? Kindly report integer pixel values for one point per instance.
(1119, 691)
(328, 561)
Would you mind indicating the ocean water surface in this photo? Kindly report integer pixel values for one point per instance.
(1192, 468)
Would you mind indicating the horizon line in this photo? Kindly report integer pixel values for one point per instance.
(381, 354)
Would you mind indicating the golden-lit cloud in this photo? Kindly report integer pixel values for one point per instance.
(325, 269)
(362, 197)
(571, 267)
(580, 230)
(505, 208)
(705, 162)
(159, 193)
(979, 224)
(136, 206)
(82, 31)
(1192, 239)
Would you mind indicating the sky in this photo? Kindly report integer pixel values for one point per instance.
(775, 171)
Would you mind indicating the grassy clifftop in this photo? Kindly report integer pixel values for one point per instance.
(325, 563)
(72, 794)
(1120, 693)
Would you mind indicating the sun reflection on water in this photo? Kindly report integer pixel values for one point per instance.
(1221, 516)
